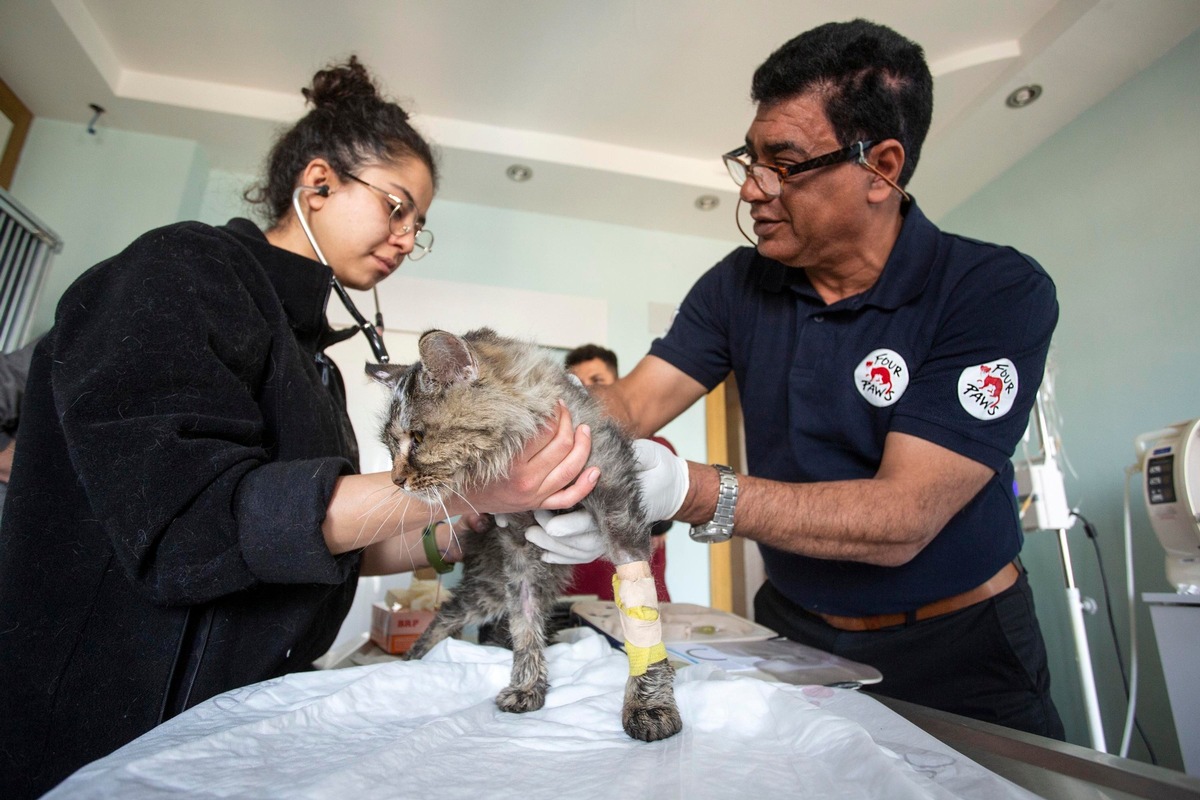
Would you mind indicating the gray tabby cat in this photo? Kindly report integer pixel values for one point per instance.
(457, 418)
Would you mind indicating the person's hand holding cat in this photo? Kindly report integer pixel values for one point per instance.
(571, 538)
(575, 538)
(546, 473)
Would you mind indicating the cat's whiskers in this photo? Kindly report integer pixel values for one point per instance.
(453, 533)
(391, 487)
(410, 544)
(390, 496)
(385, 519)
(370, 512)
(437, 597)
(464, 498)
(410, 547)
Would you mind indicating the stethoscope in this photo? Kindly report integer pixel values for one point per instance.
(369, 330)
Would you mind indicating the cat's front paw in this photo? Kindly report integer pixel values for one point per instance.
(649, 712)
(517, 700)
(652, 724)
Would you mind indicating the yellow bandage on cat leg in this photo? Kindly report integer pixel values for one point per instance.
(637, 600)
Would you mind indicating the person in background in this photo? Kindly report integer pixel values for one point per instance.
(185, 516)
(597, 366)
(593, 365)
(14, 370)
(886, 370)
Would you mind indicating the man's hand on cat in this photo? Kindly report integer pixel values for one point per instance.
(663, 478)
(571, 538)
(546, 473)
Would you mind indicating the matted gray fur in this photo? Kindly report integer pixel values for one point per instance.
(457, 419)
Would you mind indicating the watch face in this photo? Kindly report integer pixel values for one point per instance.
(707, 535)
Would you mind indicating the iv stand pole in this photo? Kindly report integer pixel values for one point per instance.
(1075, 606)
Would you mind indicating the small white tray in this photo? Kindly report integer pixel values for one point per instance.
(682, 622)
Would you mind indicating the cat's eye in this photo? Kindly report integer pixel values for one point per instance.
(418, 437)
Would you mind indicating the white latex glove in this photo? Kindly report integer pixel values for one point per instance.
(663, 478)
(574, 537)
(571, 538)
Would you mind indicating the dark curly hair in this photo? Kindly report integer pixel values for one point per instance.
(875, 82)
(349, 124)
(587, 352)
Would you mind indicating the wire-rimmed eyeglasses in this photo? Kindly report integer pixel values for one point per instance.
(769, 177)
(402, 220)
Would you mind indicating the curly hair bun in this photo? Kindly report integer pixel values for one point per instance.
(351, 124)
(343, 84)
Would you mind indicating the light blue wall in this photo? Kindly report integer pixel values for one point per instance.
(1109, 206)
(223, 197)
(100, 191)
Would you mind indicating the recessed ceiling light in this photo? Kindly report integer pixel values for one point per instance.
(707, 202)
(519, 173)
(1023, 96)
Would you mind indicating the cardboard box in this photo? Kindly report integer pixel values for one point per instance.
(396, 631)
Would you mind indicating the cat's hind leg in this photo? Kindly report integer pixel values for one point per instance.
(449, 622)
(468, 606)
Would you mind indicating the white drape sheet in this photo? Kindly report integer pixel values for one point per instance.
(430, 729)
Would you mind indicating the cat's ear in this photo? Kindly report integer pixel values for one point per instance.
(447, 358)
(387, 374)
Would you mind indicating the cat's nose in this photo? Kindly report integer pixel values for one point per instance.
(400, 473)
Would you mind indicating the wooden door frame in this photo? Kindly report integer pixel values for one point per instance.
(21, 118)
(727, 567)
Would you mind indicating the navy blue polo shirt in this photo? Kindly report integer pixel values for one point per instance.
(948, 345)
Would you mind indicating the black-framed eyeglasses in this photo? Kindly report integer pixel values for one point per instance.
(402, 220)
(770, 178)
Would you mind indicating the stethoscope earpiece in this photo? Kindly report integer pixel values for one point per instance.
(737, 219)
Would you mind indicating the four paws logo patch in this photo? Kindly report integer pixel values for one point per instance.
(881, 377)
(988, 390)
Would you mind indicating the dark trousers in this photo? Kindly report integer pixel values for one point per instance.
(987, 661)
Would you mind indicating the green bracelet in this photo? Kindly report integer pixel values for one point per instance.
(429, 540)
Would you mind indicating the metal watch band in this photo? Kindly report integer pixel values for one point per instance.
(720, 527)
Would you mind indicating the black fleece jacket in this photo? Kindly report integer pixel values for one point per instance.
(162, 539)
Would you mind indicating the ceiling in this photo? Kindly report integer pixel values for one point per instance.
(620, 107)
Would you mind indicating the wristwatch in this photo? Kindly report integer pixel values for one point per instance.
(720, 527)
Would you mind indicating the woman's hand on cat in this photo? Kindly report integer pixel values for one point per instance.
(546, 473)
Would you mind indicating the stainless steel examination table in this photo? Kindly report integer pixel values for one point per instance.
(1049, 768)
